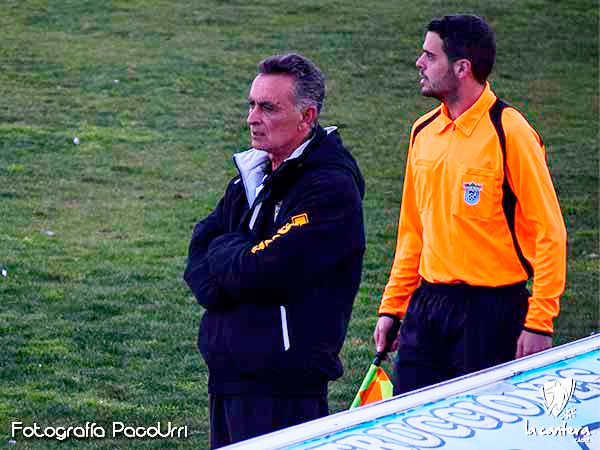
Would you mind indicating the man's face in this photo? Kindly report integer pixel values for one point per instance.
(276, 125)
(437, 78)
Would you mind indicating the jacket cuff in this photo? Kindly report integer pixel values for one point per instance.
(385, 309)
(203, 285)
(540, 315)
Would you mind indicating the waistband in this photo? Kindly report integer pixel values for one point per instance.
(464, 288)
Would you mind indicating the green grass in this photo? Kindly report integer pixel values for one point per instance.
(95, 322)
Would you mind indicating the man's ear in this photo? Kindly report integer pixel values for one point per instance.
(309, 117)
(462, 68)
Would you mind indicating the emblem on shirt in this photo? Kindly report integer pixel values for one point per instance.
(472, 191)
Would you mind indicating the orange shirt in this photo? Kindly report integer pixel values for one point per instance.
(452, 227)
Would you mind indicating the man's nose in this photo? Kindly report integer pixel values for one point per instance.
(419, 62)
(253, 116)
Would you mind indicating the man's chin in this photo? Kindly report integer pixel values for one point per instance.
(430, 93)
(257, 144)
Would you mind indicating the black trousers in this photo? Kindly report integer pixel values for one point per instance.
(236, 418)
(451, 330)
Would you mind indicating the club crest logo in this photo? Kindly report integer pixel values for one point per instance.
(472, 193)
(556, 395)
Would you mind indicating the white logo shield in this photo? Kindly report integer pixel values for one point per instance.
(556, 395)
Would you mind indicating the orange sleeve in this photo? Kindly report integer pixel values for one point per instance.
(404, 277)
(539, 224)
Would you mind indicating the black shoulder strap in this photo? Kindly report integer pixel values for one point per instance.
(509, 200)
(423, 125)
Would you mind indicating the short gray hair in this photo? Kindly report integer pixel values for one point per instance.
(309, 81)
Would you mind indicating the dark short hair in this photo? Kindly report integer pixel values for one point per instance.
(468, 37)
(309, 81)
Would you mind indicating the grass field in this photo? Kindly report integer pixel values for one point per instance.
(95, 322)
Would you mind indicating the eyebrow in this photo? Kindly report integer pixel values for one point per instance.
(262, 104)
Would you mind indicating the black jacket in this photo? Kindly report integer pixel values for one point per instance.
(278, 279)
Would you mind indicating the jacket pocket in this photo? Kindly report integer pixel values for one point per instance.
(477, 194)
(246, 340)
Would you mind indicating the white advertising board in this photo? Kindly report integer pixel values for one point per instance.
(550, 400)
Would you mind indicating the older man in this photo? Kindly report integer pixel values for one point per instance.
(277, 264)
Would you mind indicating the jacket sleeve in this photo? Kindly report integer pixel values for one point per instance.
(324, 226)
(404, 276)
(539, 224)
(197, 274)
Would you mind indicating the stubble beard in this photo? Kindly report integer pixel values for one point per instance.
(445, 90)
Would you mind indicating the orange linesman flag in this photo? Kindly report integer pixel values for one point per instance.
(376, 386)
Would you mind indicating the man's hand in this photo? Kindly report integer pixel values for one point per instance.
(384, 324)
(529, 343)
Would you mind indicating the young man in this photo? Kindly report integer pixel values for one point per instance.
(479, 217)
(277, 264)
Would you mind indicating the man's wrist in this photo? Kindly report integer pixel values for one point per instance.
(391, 316)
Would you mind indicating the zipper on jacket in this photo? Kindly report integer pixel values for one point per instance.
(284, 328)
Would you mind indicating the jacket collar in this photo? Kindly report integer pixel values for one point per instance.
(316, 137)
(469, 119)
(252, 164)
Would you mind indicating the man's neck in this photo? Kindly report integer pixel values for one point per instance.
(277, 158)
(464, 97)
